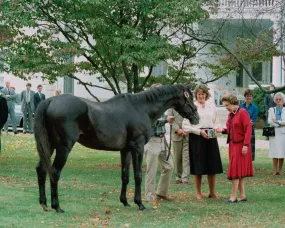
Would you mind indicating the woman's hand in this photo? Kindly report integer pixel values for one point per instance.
(204, 134)
(219, 130)
(274, 120)
(244, 149)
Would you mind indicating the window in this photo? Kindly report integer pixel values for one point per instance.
(257, 71)
(239, 77)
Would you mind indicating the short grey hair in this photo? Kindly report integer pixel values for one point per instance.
(279, 94)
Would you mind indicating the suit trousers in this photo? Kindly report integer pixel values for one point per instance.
(156, 154)
(181, 159)
(28, 120)
(11, 112)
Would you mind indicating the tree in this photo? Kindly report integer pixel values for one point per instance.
(118, 40)
(236, 43)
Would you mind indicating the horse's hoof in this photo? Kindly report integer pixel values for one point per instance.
(142, 207)
(59, 210)
(127, 205)
(45, 208)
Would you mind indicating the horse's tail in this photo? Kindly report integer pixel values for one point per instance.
(3, 111)
(42, 137)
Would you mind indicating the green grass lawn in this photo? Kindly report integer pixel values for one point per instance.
(90, 186)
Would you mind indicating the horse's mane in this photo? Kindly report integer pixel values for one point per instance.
(153, 94)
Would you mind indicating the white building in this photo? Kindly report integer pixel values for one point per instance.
(240, 17)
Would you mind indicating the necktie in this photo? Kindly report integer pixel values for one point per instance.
(28, 96)
(8, 91)
(40, 96)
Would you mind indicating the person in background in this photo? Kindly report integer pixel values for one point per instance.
(269, 103)
(57, 92)
(252, 110)
(180, 149)
(28, 108)
(276, 118)
(156, 152)
(39, 96)
(204, 151)
(10, 95)
(239, 129)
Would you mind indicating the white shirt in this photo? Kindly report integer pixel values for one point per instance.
(208, 118)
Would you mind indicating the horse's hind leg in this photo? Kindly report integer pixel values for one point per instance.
(125, 173)
(58, 164)
(41, 172)
(137, 156)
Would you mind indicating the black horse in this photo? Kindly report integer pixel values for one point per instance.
(122, 123)
(3, 111)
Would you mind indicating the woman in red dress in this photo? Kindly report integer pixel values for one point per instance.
(239, 136)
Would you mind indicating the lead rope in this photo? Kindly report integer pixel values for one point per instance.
(168, 146)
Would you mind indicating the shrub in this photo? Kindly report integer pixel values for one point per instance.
(258, 99)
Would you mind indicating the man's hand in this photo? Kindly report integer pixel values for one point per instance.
(170, 119)
(181, 132)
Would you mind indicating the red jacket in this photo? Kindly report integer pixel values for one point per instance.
(239, 127)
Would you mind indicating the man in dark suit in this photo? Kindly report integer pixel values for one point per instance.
(28, 108)
(39, 96)
(269, 103)
(9, 94)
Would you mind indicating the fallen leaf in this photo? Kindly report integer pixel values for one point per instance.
(108, 212)
(96, 219)
(105, 223)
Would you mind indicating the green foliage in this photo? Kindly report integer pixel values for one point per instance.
(117, 39)
(258, 99)
(247, 51)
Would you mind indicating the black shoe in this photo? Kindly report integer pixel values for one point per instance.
(24, 132)
(15, 132)
(242, 200)
(231, 201)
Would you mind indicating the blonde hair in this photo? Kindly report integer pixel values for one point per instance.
(57, 92)
(205, 90)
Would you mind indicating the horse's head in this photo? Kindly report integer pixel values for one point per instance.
(184, 104)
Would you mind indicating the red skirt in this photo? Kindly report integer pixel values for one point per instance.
(240, 165)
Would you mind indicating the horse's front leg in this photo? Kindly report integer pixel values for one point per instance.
(137, 156)
(125, 173)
